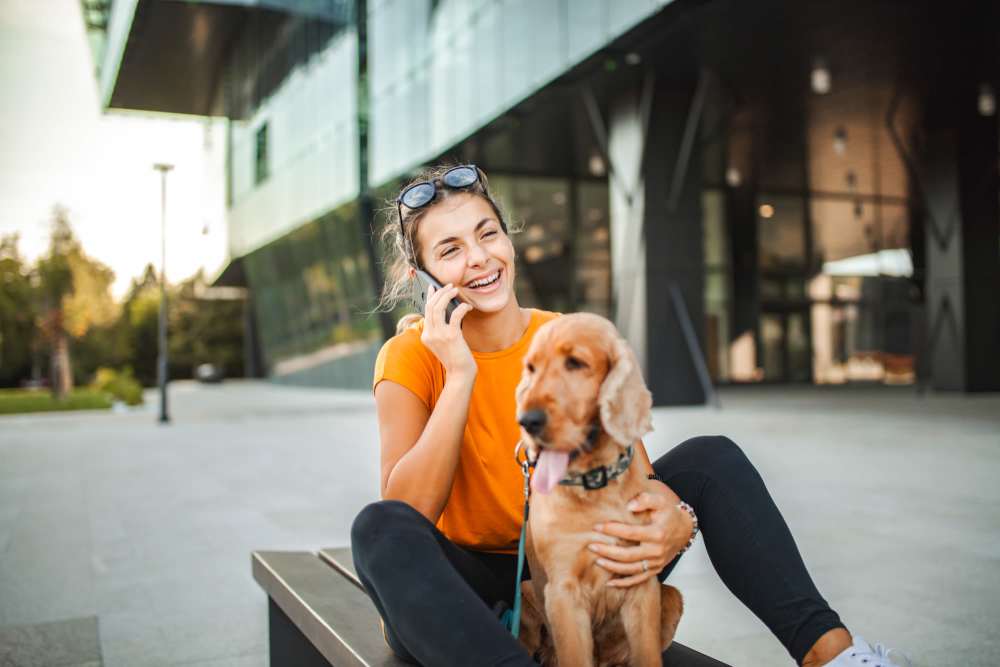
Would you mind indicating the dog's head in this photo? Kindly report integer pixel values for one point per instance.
(580, 378)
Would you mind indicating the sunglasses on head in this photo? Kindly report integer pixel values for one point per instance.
(423, 193)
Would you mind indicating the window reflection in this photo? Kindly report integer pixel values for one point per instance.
(781, 237)
(563, 248)
(717, 285)
(311, 294)
(827, 195)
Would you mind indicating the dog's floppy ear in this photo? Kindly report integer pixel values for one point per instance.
(624, 400)
(522, 387)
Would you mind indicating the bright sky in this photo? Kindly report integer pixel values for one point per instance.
(57, 147)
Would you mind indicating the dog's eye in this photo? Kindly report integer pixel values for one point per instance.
(573, 364)
(530, 367)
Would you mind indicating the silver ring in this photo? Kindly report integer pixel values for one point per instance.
(645, 565)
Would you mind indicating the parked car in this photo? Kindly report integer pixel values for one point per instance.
(208, 373)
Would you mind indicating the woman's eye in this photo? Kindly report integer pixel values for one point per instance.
(573, 364)
(490, 233)
(449, 251)
(531, 368)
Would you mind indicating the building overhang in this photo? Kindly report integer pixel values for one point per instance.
(232, 275)
(170, 55)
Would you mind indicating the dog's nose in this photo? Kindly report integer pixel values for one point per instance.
(533, 421)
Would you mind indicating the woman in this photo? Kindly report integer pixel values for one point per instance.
(438, 553)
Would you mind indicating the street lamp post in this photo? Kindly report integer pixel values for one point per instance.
(161, 358)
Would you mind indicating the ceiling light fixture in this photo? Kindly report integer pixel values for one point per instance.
(820, 77)
(840, 140)
(987, 100)
(733, 177)
(596, 165)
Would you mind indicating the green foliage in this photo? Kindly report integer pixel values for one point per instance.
(72, 296)
(53, 270)
(140, 324)
(121, 385)
(106, 345)
(89, 303)
(15, 401)
(60, 315)
(17, 314)
(204, 330)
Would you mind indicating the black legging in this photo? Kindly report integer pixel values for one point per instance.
(437, 599)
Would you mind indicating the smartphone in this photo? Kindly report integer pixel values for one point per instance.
(426, 280)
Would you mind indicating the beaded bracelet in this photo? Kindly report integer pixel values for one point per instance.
(684, 507)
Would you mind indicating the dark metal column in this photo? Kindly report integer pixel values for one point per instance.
(675, 262)
(958, 181)
(366, 210)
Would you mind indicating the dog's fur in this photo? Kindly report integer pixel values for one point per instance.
(569, 616)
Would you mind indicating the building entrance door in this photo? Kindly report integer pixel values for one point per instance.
(785, 351)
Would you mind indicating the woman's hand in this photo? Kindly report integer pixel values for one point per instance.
(445, 339)
(658, 542)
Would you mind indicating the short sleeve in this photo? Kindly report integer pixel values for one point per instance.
(404, 360)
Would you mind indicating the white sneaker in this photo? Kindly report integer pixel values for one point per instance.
(863, 654)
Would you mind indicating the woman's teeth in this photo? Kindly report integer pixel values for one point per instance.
(485, 281)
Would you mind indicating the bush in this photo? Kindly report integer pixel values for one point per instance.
(121, 385)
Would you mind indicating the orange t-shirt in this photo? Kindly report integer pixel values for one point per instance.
(484, 510)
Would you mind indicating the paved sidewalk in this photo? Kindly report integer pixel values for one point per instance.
(113, 525)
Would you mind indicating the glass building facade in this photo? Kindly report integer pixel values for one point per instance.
(778, 192)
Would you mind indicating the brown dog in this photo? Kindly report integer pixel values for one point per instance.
(581, 402)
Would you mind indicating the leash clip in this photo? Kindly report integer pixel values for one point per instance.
(525, 464)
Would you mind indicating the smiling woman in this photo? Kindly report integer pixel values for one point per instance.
(438, 553)
(460, 187)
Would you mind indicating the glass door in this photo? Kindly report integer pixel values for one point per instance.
(785, 351)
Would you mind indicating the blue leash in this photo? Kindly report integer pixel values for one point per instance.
(512, 617)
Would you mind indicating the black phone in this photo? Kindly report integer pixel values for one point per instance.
(426, 280)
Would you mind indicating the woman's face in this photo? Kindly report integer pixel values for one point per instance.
(461, 242)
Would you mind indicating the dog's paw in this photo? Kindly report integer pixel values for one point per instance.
(532, 619)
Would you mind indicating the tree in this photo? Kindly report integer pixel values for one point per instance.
(139, 322)
(204, 330)
(90, 315)
(73, 295)
(17, 313)
(55, 281)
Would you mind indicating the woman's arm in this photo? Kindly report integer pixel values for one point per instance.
(659, 541)
(421, 448)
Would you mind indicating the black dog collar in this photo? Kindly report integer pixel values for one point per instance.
(598, 478)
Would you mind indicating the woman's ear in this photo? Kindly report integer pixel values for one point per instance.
(624, 400)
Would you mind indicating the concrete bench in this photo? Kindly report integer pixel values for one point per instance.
(319, 614)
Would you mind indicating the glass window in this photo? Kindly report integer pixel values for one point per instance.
(894, 227)
(261, 164)
(593, 249)
(780, 233)
(717, 284)
(843, 142)
(779, 151)
(772, 346)
(540, 207)
(842, 229)
(798, 347)
(313, 291)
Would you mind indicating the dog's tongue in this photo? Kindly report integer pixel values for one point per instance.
(549, 469)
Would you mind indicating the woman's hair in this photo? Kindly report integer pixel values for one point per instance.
(396, 248)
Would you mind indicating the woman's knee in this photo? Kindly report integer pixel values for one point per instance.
(713, 455)
(379, 519)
